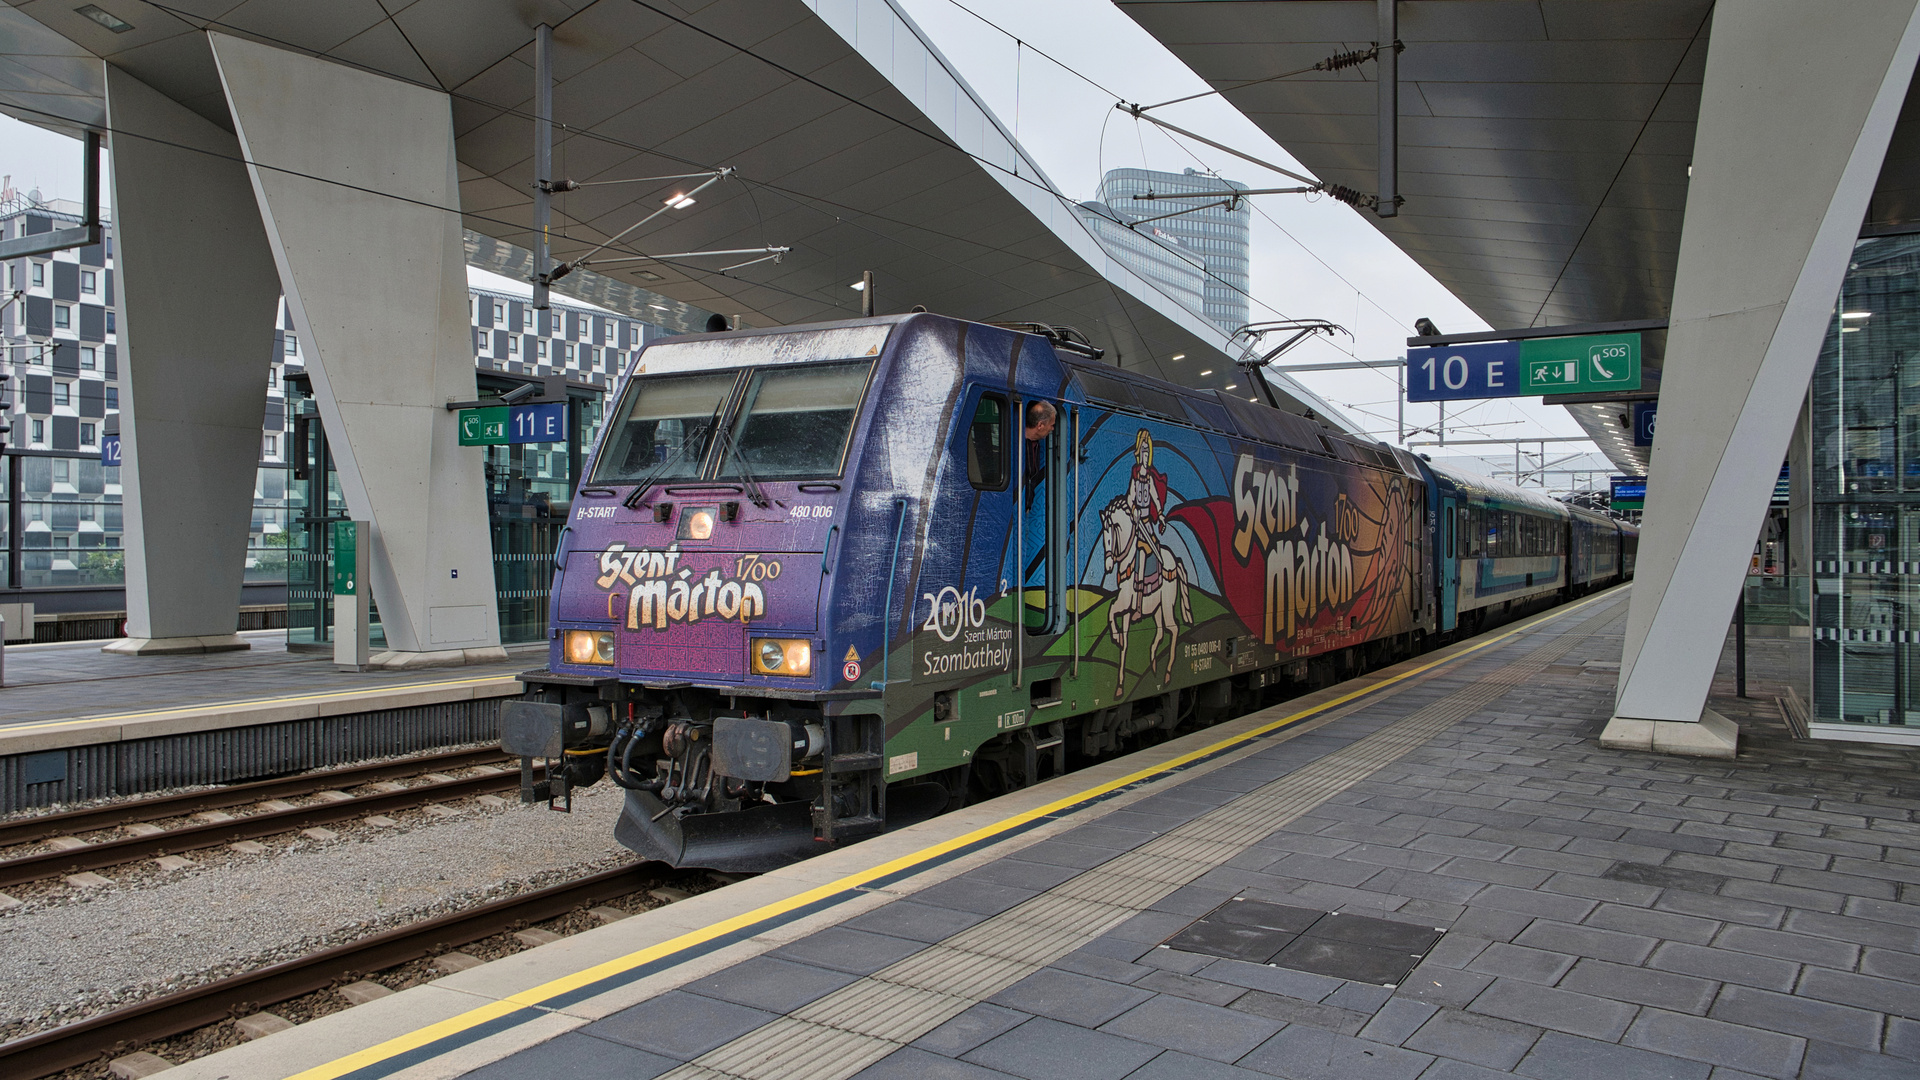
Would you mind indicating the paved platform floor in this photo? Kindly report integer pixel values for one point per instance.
(1565, 912)
(70, 680)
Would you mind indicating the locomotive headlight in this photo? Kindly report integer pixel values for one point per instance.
(697, 523)
(587, 647)
(782, 656)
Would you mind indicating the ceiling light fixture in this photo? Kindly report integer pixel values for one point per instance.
(1179, 356)
(1855, 314)
(1209, 371)
(105, 18)
(679, 202)
(858, 286)
(1233, 386)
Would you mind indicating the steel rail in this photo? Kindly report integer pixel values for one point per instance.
(92, 819)
(119, 1031)
(215, 833)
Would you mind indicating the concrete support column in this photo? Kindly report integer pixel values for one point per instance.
(355, 179)
(1796, 112)
(196, 296)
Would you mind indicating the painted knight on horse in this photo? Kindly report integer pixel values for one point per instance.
(1149, 581)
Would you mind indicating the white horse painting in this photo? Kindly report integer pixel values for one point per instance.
(1150, 584)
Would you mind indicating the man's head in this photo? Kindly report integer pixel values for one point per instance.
(1040, 418)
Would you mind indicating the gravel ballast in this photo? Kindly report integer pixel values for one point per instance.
(75, 953)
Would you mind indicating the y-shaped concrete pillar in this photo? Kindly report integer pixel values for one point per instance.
(354, 174)
(196, 295)
(1796, 112)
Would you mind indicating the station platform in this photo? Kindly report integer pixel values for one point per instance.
(1431, 872)
(71, 701)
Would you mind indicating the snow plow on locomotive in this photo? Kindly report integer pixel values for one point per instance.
(822, 580)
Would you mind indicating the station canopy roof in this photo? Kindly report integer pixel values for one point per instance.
(1543, 146)
(852, 141)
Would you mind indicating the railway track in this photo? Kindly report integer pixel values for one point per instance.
(123, 1029)
(112, 852)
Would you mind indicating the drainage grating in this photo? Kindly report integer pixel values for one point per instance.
(1338, 944)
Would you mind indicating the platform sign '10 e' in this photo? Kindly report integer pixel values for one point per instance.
(1450, 373)
(1564, 365)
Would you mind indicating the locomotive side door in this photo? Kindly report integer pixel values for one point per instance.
(1449, 564)
(1045, 481)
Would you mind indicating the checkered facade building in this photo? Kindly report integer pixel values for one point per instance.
(60, 338)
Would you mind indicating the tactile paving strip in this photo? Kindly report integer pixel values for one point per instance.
(842, 1033)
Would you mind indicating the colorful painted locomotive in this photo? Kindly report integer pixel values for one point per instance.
(827, 578)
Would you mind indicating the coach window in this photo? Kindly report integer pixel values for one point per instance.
(987, 444)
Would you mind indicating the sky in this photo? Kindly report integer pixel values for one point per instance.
(1053, 75)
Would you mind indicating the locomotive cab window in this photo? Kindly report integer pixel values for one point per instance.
(794, 421)
(987, 444)
(663, 427)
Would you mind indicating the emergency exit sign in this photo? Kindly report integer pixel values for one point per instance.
(1588, 363)
(1581, 365)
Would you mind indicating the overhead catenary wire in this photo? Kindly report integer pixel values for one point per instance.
(508, 227)
(566, 131)
(798, 197)
(1336, 62)
(1339, 61)
(938, 137)
(1114, 95)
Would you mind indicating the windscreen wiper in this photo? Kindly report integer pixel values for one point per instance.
(659, 471)
(730, 448)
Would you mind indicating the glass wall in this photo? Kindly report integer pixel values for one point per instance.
(529, 493)
(529, 498)
(1865, 474)
(70, 525)
(311, 504)
(268, 537)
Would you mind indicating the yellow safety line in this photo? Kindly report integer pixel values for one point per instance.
(419, 1037)
(176, 709)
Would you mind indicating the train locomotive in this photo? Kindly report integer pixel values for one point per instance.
(821, 580)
